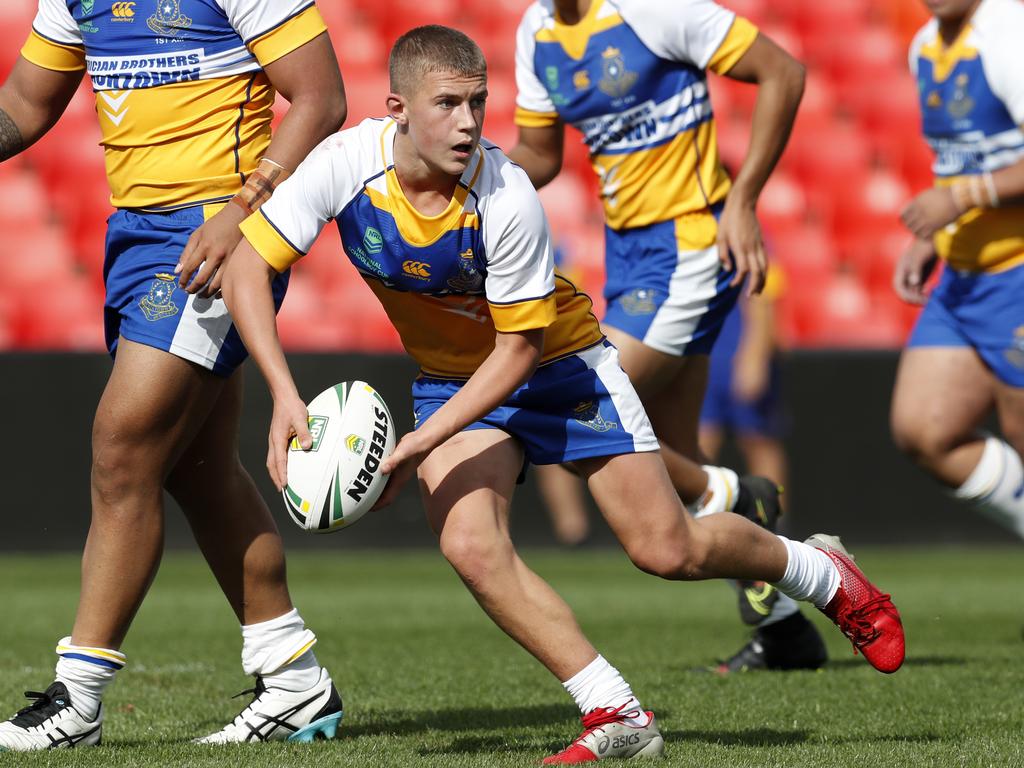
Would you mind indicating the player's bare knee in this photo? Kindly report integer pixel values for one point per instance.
(668, 557)
(477, 559)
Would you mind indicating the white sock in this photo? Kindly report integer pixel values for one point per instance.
(721, 494)
(810, 574)
(280, 651)
(599, 684)
(86, 672)
(784, 607)
(996, 486)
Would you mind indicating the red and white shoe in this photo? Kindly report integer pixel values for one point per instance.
(607, 734)
(865, 614)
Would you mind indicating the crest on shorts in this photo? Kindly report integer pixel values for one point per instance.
(616, 80)
(639, 301)
(1015, 353)
(158, 303)
(168, 20)
(588, 413)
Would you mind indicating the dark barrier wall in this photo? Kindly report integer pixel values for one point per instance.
(846, 475)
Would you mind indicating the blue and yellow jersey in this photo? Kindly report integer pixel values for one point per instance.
(632, 77)
(181, 95)
(972, 104)
(447, 282)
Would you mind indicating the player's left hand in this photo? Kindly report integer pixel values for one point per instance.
(929, 212)
(740, 245)
(410, 452)
(199, 267)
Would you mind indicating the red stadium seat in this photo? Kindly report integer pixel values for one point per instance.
(68, 314)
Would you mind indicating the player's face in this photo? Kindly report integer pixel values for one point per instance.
(950, 9)
(445, 119)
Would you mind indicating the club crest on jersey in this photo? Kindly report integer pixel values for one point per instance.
(469, 280)
(616, 80)
(961, 104)
(373, 240)
(639, 301)
(317, 426)
(1015, 354)
(158, 303)
(168, 20)
(588, 413)
(86, 8)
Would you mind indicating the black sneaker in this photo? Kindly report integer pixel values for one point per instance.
(793, 643)
(49, 722)
(759, 501)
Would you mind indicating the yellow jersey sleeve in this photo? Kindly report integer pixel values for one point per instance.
(269, 243)
(287, 36)
(524, 315)
(742, 35)
(527, 119)
(49, 54)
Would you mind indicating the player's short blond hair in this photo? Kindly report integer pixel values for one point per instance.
(432, 48)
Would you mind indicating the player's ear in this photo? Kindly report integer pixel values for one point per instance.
(397, 109)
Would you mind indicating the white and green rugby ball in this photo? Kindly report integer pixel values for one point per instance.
(338, 479)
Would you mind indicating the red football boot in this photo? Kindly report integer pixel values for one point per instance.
(606, 734)
(863, 613)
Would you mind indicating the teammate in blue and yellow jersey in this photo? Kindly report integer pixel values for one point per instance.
(680, 237)
(966, 353)
(451, 237)
(184, 90)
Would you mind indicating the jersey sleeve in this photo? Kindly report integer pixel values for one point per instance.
(284, 229)
(55, 41)
(698, 32)
(534, 108)
(1003, 57)
(274, 29)
(520, 284)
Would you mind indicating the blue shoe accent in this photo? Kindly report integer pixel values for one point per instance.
(325, 726)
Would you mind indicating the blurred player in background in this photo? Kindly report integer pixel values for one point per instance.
(184, 96)
(680, 237)
(743, 400)
(451, 238)
(966, 353)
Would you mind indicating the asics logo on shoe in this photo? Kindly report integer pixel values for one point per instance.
(603, 744)
(626, 741)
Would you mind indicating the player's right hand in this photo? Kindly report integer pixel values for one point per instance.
(912, 271)
(290, 420)
(201, 263)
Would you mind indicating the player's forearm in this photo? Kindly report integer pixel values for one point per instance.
(1009, 183)
(11, 140)
(778, 97)
(540, 167)
(514, 359)
(307, 122)
(247, 291)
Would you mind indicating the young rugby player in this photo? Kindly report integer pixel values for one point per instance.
(966, 354)
(451, 237)
(184, 101)
(680, 237)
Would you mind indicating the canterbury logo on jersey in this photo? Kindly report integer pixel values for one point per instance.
(417, 269)
(123, 10)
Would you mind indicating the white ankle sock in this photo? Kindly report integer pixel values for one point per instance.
(86, 672)
(599, 684)
(996, 486)
(810, 574)
(721, 494)
(280, 650)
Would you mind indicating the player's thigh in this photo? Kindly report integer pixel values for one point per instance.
(467, 484)
(941, 396)
(649, 369)
(675, 410)
(153, 406)
(1010, 407)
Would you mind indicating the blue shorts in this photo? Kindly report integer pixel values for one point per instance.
(673, 301)
(577, 407)
(984, 311)
(722, 408)
(144, 303)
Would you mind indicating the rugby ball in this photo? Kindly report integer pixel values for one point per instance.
(338, 479)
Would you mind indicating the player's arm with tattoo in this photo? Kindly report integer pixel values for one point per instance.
(31, 100)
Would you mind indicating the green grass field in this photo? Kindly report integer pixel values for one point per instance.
(428, 681)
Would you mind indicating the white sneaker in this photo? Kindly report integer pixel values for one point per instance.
(50, 722)
(276, 714)
(607, 733)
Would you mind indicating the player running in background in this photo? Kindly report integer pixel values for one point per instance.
(184, 95)
(451, 238)
(680, 238)
(966, 353)
(743, 399)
